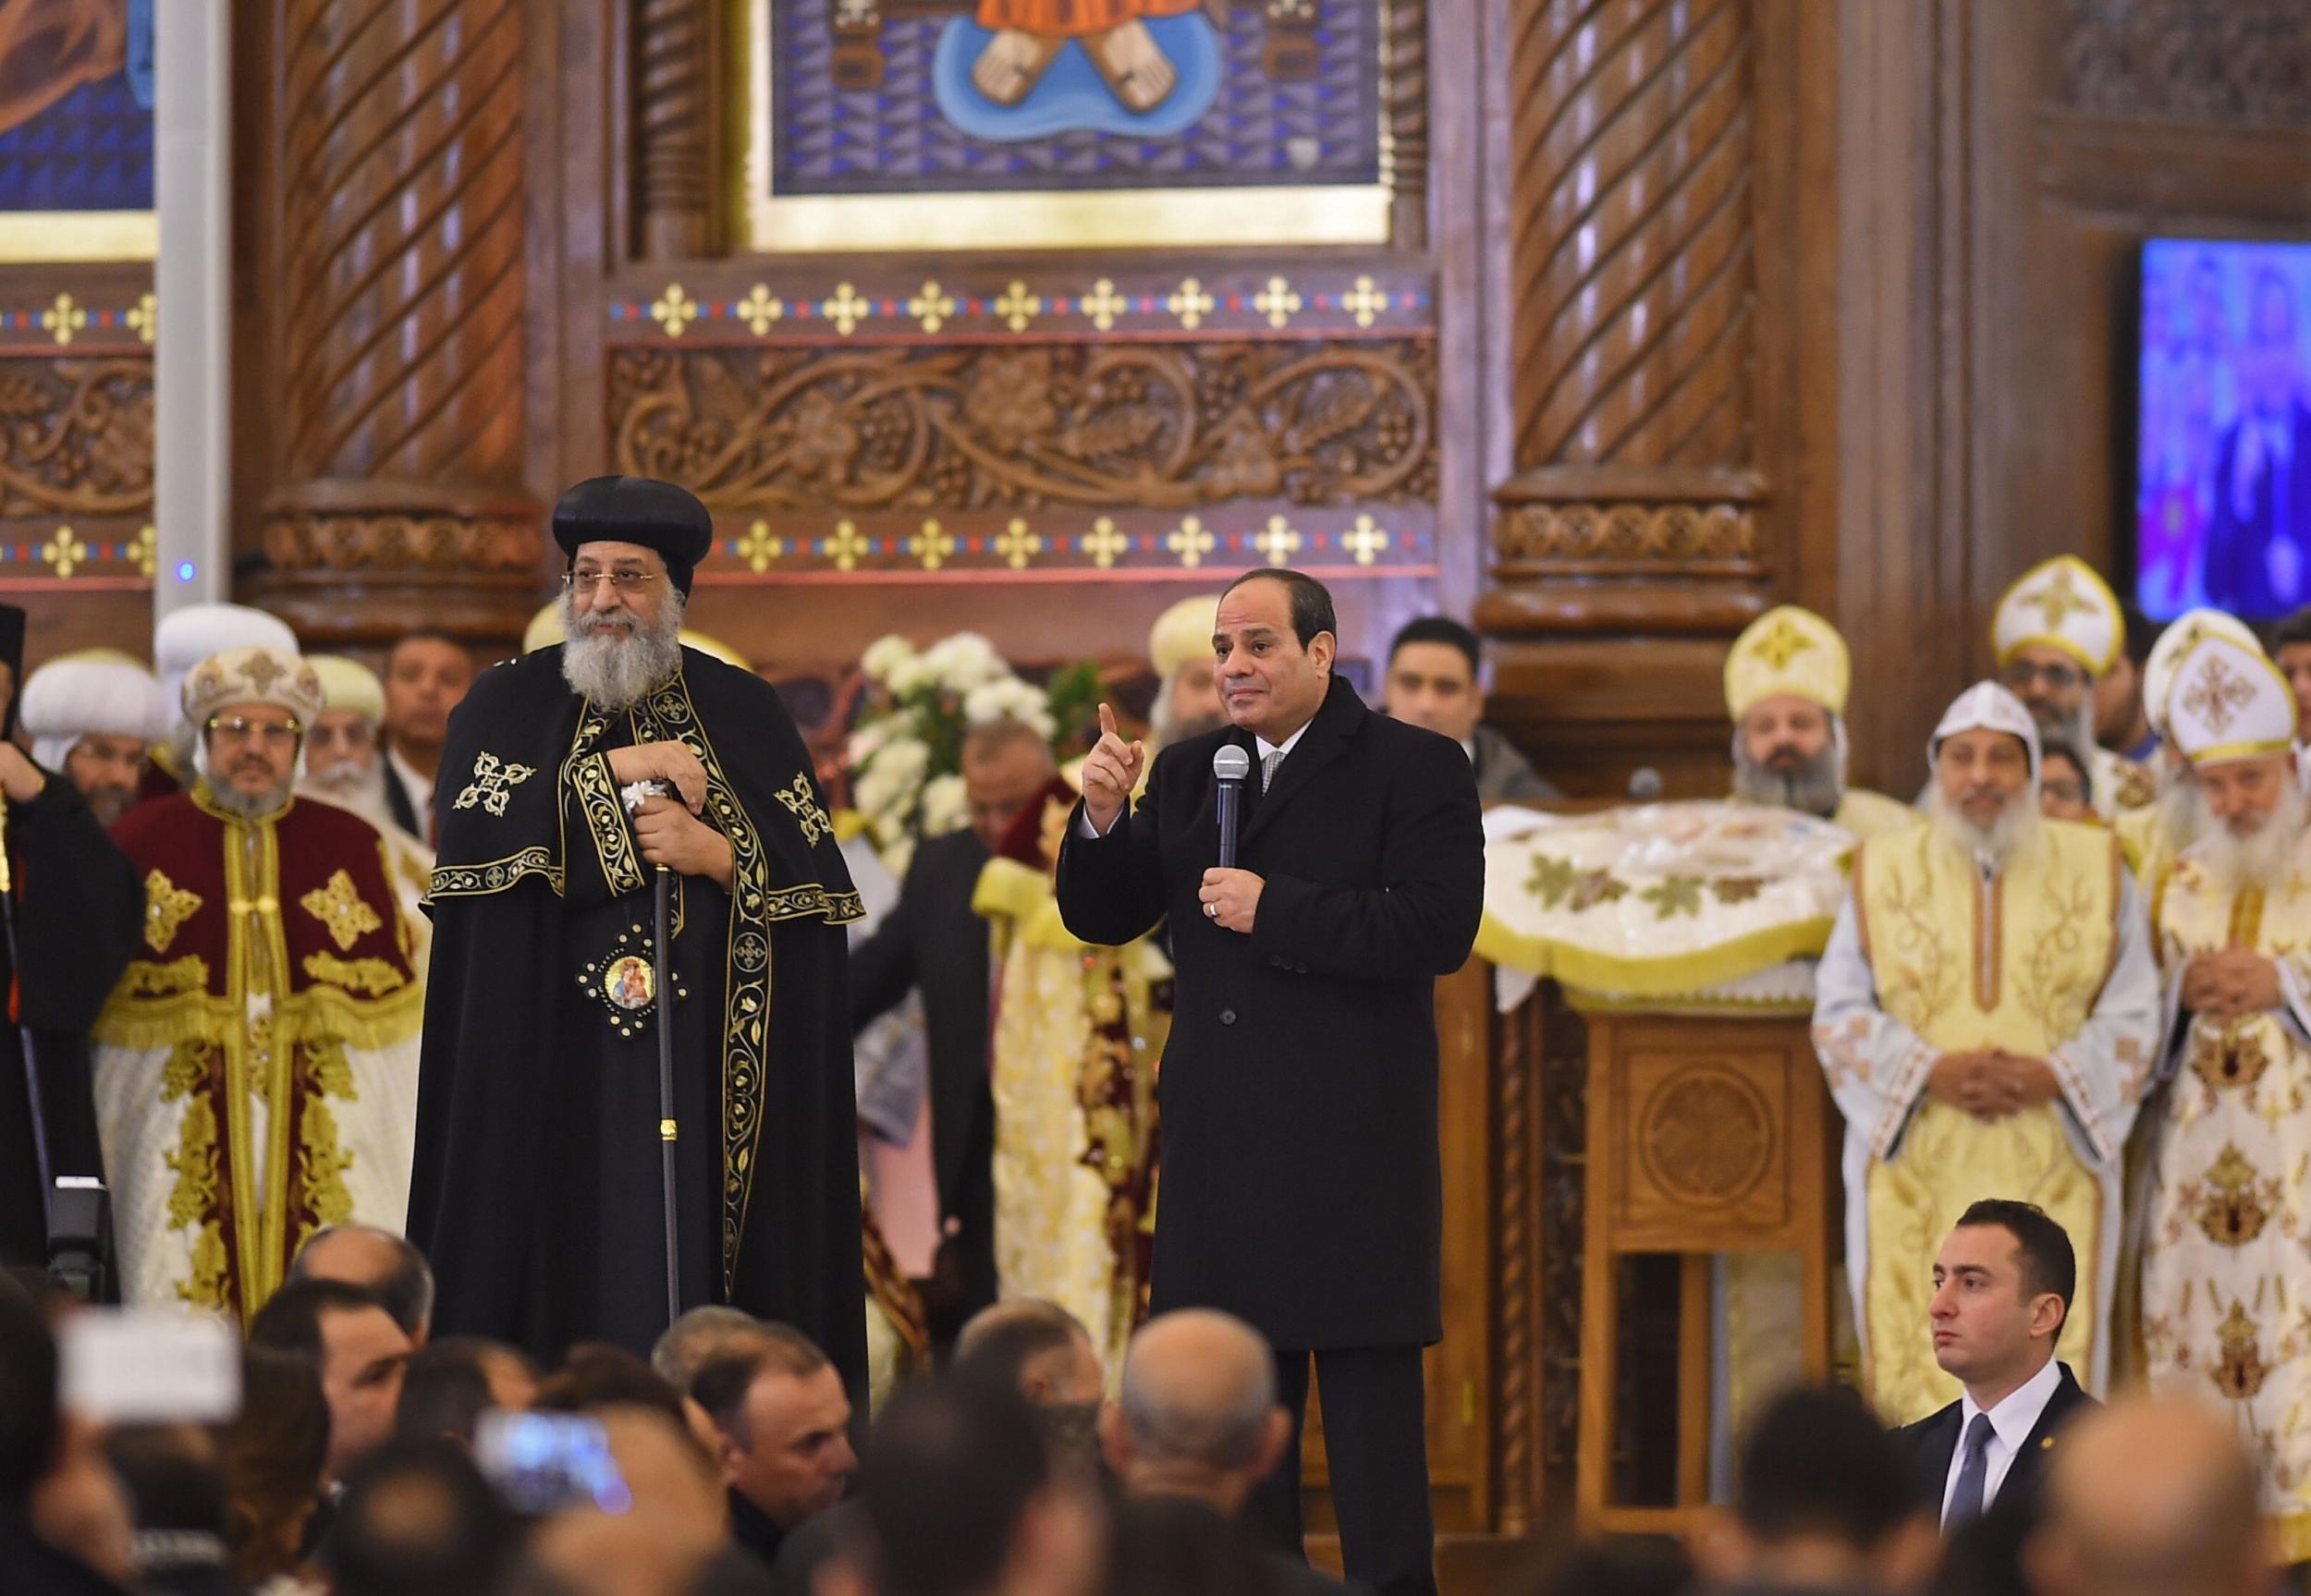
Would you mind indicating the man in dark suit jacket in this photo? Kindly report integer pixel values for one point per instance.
(2002, 1289)
(934, 942)
(1302, 1187)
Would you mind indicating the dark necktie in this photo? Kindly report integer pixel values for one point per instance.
(1974, 1475)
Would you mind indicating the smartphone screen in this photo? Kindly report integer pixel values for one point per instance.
(543, 1463)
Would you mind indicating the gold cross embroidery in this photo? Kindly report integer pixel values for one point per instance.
(337, 905)
(2058, 600)
(263, 671)
(493, 785)
(802, 803)
(1781, 643)
(166, 907)
(2216, 694)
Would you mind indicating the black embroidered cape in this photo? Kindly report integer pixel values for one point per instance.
(536, 1188)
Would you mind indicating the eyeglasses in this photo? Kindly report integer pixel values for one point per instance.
(2062, 678)
(624, 582)
(242, 729)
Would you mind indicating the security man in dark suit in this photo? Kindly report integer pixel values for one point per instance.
(2002, 1289)
(1302, 1187)
(935, 942)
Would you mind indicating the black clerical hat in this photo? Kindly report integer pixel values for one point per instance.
(641, 510)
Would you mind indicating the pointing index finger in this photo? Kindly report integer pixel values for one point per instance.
(1107, 721)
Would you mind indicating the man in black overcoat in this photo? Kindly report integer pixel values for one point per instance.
(1301, 1185)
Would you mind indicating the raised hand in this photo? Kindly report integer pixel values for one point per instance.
(1111, 775)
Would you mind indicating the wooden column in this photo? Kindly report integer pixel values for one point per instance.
(674, 70)
(386, 412)
(1655, 410)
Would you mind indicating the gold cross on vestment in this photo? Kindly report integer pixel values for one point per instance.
(493, 785)
(800, 802)
(2216, 694)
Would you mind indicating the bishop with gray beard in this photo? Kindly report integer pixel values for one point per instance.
(536, 1193)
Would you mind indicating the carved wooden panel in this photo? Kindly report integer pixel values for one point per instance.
(1020, 428)
(1704, 1144)
(76, 429)
(2243, 64)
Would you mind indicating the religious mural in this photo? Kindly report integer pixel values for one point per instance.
(76, 105)
(1207, 119)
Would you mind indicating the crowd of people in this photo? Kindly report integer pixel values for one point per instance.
(365, 1456)
(346, 991)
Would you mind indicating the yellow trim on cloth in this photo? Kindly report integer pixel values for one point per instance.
(1650, 978)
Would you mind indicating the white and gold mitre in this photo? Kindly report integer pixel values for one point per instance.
(348, 684)
(1788, 652)
(2177, 640)
(1182, 633)
(2063, 605)
(1987, 706)
(254, 675)
(2230, 702)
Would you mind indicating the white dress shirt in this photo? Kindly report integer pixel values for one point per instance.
(414, 781)
(2011, 1424)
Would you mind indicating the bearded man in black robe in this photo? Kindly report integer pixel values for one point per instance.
(74, 910)
(537, 1187)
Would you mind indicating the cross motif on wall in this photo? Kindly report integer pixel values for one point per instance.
(493, 785)
(1278, 541)
(64, 551)
(845, 547)
(2216, 694)
(1018, 306)
(144, 317)
(1365, 540)
(931, 306)
(144, 548)
(1191, 543)
(674, 311)
(758, 548)
(1364, 302)
(931, 546)
(64, 318)
(846, 310)
(1191, 304)
(1018, 545)
(1103, 542)
(1103, 303)
(759, 310)
(1276, 302)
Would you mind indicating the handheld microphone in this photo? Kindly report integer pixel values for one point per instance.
(1230, 764)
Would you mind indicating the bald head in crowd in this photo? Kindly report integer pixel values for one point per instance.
(2189, 1527)
(1198, 1416)
(1038, 1347)
(377, 1261)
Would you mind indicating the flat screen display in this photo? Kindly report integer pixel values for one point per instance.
(2222, 467)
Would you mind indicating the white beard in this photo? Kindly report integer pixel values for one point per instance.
(2260, 858)
(617, 671)
(1818, 790)
(2182, 817)
(351, 786)
(1992, 845)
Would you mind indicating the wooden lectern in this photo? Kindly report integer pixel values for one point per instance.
(1710, 1132)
